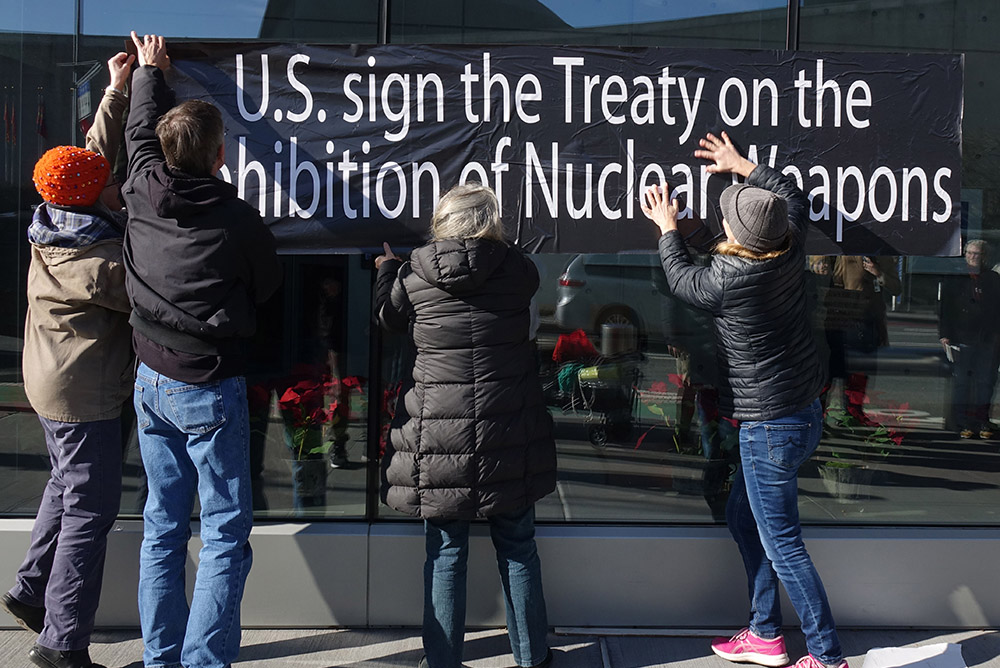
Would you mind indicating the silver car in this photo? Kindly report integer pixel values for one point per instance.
(599, 288)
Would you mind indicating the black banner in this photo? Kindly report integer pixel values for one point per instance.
(343, 147)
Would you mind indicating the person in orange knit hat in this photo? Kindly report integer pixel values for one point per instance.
(71, 176)
(77, 386)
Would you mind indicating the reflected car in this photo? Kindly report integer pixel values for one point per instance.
(599, 288)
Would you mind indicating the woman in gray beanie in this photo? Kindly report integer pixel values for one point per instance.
(770, 380)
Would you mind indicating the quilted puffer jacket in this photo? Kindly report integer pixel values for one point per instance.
(471, 436)
(768, 364)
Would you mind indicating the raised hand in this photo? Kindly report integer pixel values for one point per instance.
(387, 255)
(659, 209)
(118, 68)
(725, 156)
(152, 50)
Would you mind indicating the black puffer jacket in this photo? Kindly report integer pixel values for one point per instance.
(768, 365)
(471, 436)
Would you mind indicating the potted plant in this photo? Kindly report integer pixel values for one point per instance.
(849, 477)
(308, 414)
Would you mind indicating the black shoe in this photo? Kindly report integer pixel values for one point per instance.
(338, 455)
(53, 658)
(29, 617)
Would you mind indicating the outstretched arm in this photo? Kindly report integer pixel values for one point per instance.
(727, 160)
(105, 135)
(151, 98)
(390, 300)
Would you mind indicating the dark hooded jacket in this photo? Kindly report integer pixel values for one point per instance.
(471, 436)
(766, 354)
(198, 258)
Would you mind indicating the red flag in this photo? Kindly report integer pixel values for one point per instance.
(6, 118)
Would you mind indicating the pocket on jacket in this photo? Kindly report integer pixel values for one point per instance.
(141, 416)
(197, 409)
(788, 443)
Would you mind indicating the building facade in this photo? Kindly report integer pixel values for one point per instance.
(634, 534)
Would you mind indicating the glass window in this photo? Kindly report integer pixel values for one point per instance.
(36, 114)
(54, 17)
(308, 392)
(273, 20)
(184, 18)
(630, 373)
(313, 334)
(723, 24)
(914, 391)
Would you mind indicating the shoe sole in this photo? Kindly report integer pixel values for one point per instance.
(20, 622)
(770, 660)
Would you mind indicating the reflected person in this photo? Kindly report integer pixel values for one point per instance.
(772, 376)
(970, 330)
(471, 437)
(856, 306)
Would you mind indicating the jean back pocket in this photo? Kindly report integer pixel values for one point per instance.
(197, 409)
(788, 444)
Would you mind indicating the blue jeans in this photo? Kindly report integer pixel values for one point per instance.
(193, 438)
(444, 588)
(763, 516)
(64, 567)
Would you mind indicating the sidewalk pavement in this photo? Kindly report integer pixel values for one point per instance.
(573, 648)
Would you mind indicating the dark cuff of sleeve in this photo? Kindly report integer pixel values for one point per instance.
(389, 268)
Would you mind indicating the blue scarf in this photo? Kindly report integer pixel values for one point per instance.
(72, 228)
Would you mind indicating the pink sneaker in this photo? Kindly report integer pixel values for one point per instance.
(809, 661)
(745, 647)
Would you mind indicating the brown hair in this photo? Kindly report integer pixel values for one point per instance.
(734, 249)
(190, 135)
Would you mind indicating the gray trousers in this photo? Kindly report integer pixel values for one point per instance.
(64, 567)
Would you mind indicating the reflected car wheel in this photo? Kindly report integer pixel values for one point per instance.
(618, 315)
(598, 435)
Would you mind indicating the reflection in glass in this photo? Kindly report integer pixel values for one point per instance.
(308, 401)
(187, 18)
(53, 17)
(761, 23)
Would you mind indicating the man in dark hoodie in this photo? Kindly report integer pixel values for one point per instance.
(198, 259)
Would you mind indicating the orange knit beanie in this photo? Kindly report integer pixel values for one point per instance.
(71, 176)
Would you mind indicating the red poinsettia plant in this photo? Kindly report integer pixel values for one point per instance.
(655, 399)
(316, 399)
(389, 397)
(879, 433)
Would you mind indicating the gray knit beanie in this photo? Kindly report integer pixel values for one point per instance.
(757, 217)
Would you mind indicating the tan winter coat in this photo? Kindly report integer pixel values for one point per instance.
(77, 359)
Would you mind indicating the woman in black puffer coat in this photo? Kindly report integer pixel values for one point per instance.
(471, 437)
(770, 380)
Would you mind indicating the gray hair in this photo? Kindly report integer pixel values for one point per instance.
(469, 211)
(983, 247)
